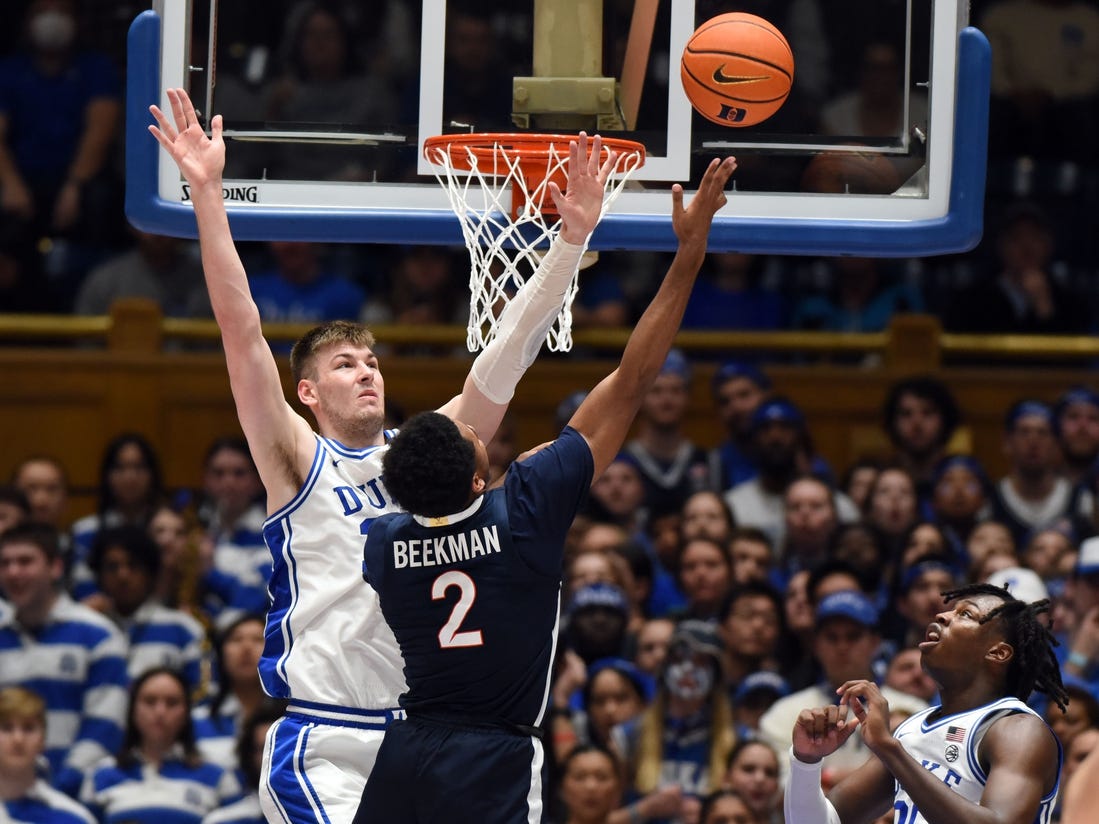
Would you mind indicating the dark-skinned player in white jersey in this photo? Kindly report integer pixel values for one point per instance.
(982, 757)
(469, 578)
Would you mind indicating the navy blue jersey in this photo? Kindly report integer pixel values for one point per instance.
(473, 599)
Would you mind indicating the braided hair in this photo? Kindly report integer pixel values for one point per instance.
(1034, 665)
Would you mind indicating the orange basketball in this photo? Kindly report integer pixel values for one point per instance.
(737, 69)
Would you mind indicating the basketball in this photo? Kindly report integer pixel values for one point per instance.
(737, 69)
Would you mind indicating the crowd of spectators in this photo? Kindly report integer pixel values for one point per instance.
(709, 592)
(65, 245)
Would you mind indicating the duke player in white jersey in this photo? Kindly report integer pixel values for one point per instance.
(982, 756)
(328, 650)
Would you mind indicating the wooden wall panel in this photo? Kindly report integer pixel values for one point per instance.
(71, 401)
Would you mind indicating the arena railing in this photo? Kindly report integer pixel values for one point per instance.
(910, 341)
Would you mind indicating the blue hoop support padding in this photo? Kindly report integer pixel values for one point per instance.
(959, 230)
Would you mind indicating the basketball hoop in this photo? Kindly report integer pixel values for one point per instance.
(506, 241)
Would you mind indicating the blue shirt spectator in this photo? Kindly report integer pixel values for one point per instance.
(299, 289)
(861, 299)
(158, 774)
(731, 295)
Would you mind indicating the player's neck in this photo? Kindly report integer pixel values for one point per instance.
(962, 698)
(354, 437)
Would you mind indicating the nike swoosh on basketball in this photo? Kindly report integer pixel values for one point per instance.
(726, 79)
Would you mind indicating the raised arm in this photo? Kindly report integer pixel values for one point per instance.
(525, 321)
(605, 416)
(280, 440)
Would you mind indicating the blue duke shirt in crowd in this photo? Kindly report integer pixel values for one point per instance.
(474, 598)
(237, 582)
(42, 804)
(164, 637)
(172, 792)
(77, 663)
(947, 746)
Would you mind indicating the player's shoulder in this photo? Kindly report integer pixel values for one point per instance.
(385, 524)
(383, 530)
(569, 451)
(1013, 731)
(1015, 722)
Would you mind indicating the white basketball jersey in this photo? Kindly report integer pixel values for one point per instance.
(326, 640)
(948, 748)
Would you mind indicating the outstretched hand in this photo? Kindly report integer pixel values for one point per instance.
(692, 224)
(201, 159)
(580, 206)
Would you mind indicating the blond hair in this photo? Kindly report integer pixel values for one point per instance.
(650, 750)
(21, 704)
(336, 331)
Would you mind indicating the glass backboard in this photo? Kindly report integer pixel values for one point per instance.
(879, 150)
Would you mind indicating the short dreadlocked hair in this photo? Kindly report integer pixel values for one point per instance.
(1034, 665)
(429, 466)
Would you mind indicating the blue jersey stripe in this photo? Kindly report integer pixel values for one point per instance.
(283, 589)
(276, 643)
(303, 777)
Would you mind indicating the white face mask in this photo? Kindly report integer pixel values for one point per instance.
(688, 681)
(52, 30)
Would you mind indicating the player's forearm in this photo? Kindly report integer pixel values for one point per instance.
(226, 279)
(655, 331)
(803, 799)
(524, 323)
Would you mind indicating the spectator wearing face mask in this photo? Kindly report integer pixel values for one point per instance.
(677, 750)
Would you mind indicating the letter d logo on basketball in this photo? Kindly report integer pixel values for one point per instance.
(731, 113)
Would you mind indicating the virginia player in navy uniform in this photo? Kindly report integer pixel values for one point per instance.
(470, 580)
(982, 756)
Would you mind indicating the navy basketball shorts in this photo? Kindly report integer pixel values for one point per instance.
(428, 771)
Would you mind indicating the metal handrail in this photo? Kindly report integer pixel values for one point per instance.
(32, 328)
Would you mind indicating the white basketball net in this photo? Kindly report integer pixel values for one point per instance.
(505, 251)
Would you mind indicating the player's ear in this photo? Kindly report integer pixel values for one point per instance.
(307, 392)
(1001, 652)
(479, 483)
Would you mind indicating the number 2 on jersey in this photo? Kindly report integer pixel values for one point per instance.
(449, 636)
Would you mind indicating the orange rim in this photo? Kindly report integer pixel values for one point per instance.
(531, 149)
